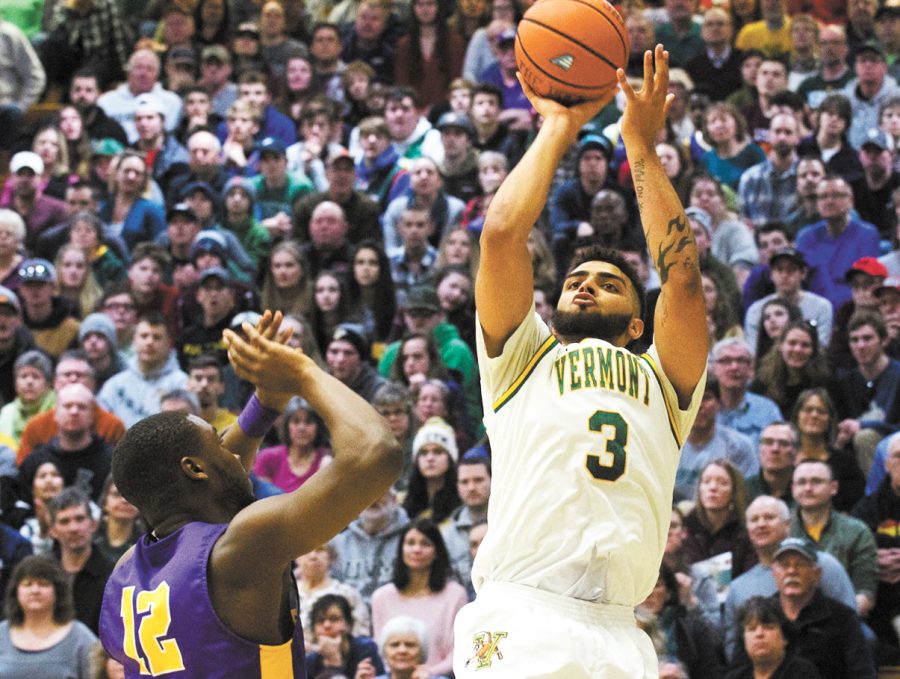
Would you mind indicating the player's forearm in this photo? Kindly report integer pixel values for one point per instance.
(666, 227)
(521, 198)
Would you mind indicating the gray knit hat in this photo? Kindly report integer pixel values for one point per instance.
(100, 323)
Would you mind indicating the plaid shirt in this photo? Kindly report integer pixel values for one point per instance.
(767, 195)
(99, 33)
(404, 277)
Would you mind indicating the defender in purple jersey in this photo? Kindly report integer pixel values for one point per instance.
(208, 593)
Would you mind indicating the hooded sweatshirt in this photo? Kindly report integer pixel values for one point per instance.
(14, 416)
(131, 395)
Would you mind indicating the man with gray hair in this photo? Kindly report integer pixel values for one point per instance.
(768, 523)
(777, 452)
(740, 409)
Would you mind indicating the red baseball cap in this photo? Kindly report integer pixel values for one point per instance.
(867, 265)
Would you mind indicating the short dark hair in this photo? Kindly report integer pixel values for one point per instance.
(319, 25)
(87, 72)
(790, 99)
(471, 460)
(599, 253)
(42, 567)
(145, 462)
(68, 498)
(205, 361)
(122, 287)
(253, 77)
(440, 568)
(399, 93)
(839, 105)
(152, 251)
(866, 317)
(491, 89)
(326, 601)
(155, 319)
(763, 609)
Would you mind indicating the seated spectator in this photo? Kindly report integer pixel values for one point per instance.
(73, 367)
(34, 394)
(432, 486)
(239, 155)
(394, 404)
(86, 233)
(304, 450)
(707, 441)
(76, 282)
(46, 485)
(411, 134)
(811, 173)
(494, 131)
(404, 646)
(834, 73)
(40, 634)
(421, 588)
(816, 419)
(455, 290)
(459, 247)
(378, 172)
(253, 88)
(206, 380)
(765, 631)
(459, 169)
(120, 524)
(771, 34)
(793, 364)
(170, 158)
(181, 231)
(12, 235)
(277, 188)
(39, 212)
(777, 450)
(845, 538)
(149, 293)
(493, 168)
(130, 215)
(216, 299)
(329, 247)
(432, 398)
(770, 238)
(371, 287)
(731, 152)
(51, 318)
(82, 457)
(722, 318)
(869, 89)
(771, 85)
(314, 580)
(14, 340)
(347, 355)
(865, 276)
(473, 485)
(880, 177)
(688, 636)
(134, 393)
(332, 645)
(715, 524)
(776, 314)
(768, 523)
(830, 139)
(412, 261)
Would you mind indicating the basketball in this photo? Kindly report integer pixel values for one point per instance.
(569, 50)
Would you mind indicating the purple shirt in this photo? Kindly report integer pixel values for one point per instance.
(158, 618)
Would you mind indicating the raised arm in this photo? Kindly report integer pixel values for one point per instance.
(367, 460)
(680, 331)
(505, 282)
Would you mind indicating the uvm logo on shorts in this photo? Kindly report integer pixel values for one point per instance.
(564, 61)
(487, 647)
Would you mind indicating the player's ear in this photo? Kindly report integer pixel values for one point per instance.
(193, 468)
(635, 328)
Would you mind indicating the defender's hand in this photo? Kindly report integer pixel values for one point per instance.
(646, 110)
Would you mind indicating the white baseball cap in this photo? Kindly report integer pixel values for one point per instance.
(27, 159)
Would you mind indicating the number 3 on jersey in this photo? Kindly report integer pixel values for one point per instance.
(608, 465)
(162, 655)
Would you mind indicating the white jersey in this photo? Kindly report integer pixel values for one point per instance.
(585, 441)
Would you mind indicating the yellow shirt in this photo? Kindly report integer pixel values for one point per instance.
(758, 36)
(222, 419)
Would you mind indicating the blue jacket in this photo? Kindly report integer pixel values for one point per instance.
(144, 221)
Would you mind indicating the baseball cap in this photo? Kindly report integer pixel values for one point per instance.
(181, 55)
(149, 101)
(595, 141)
(788, 253)
(37, 271)
(28, 159)
(506, 35)
(877, 137)
(698, 214)
(205, 187)
(215, 53)
(355, 335)
(866, 265)
(247, 29)
(457, 120)
(872, 46)
(799, 545)
(107, 147)
(339, 154)
(181, 209)
(210, 242)
(10, 299)
(272, 145)
(890, 283)
(422, 297)
(436, 430)
(215, 272)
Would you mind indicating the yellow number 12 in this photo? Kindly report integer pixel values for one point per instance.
(163, 655)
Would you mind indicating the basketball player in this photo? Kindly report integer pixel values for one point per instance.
(585, 435)
(208, 593)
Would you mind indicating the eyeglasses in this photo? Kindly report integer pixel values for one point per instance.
(837, 195)
(733, 360)
(781, 443)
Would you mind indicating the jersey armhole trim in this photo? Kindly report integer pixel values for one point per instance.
(517, 383)
(673, 426)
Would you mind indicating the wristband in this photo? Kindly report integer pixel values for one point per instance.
(255, 419)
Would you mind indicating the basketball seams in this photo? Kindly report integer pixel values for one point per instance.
(618, 26)
(573, 41)
(532, 62)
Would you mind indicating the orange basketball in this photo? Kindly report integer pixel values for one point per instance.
(569, 50)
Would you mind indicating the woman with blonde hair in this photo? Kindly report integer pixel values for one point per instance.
(287, 285)
(542, 261)
(459, 247)
(50, 145)
(77, 141)
(75, 279)
(130, 215)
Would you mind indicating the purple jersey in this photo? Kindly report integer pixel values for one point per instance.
(157, 617)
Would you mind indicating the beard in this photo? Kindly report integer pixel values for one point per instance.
(576, 326)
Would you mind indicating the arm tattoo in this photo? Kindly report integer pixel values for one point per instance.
(676, 223)
(638, 177)
(662, 265)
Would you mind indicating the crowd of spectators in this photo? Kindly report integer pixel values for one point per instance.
(171, 168)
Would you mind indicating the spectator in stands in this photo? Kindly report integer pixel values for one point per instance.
(404, 647)
(333, 645)
(707, 442)
(287, 283)
(378, 170)
(804, 49)
(366, 550)
(204, 165)
(239, 199)
(51, 318)
(329, 247)
(23, 78)
(371, 287)
(459, 170)
(119, 304)
(313, 574)
(393, 403)
(771, 82)
(432, 485)
(880, 178)
(134, 393)
(369, 41)
(73, 527)
(216, 298)
(84, 92)
(766, 632)
(39, 211)
(830, 140)
(14, 340)
(473, 485)
(731, 151)
(34, 394)
(120, 524)
(864, 276)
(412, 262)
(170, 158)
(12, 236)
(847, 539)
(215, 77)
(276, 188)
(148, 291)
(492, 131)
(129, 214)
(871, 87)
(767, 191)
(715, 67)
(242, 124)
(888, 296)
(740, 409)
(768, 523)
(777, 451)
(772, 34)
(347, 356)
(811, 173)
(421, 587)
(206, 381)
(76, 283)
(831, 245)
(412, 135)
(304, 448)
(788, 268)
(834, 73)
(41, 635)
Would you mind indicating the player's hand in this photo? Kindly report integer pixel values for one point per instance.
(575, 116)
(265, 361)
(646, 109)
(269, 326)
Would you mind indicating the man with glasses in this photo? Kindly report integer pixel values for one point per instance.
(830, 246)
(716, 70)
(118, 303)
(740, 409)
(777, 450)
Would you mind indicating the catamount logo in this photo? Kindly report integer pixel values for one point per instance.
(564, 61)
(486, 649)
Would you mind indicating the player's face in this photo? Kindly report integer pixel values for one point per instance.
(764, 642)
(597, 300)
(474, 485)
(433, 461)
(418, 551)
(765, 525)
(402, 653)
(230, 485)
(716, 489)
(813, 418)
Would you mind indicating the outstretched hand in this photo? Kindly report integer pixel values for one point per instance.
(576, 115)
(646, 109)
